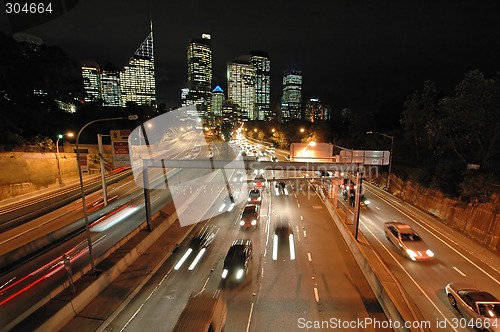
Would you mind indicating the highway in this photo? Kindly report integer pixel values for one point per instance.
(322, 283)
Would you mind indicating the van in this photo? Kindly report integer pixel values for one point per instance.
(203, 313)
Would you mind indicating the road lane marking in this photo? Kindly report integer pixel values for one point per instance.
(250, 317)
(316, 294)
(456, 269)
(301, 218)
(377, 208)
(409, 276)
(305, 234)
(298, 204)
(309, 256)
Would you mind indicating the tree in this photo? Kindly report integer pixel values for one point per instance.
(468, 123)
(280, 138)
(418, 113)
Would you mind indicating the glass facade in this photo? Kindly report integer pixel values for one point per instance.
(199, 59)
(110, 88)
(137, 80)
(241, 85)
(260, 60)
(217, 101)
(91, 83)
(291, 100)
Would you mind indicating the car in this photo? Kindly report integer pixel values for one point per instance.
(254, 196)
(237, 261)
(478, 307)
(250, 216)
(363, 201)
(283, 243)
(259, 181)
(198, 246)
(407, 240)
(274, 159)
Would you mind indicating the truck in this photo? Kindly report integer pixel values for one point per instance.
(203, 313)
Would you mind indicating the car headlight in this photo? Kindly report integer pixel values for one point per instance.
(254, 222)
(259, 199)
(224, 274)
(411, 253)
(242, 222)
(429, 253)
(239, 274)
(367, 202)
(249, 199)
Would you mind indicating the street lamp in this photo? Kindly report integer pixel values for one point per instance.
(57, 154)
(82, 190)
(390, 156)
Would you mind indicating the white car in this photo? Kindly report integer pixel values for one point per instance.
(407, 240)
(479, 308)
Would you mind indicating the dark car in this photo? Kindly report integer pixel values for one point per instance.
(237, 260)
(283, 243)
(477, 306)
(254, 196)
(363, 201)
(250, 216)
(198, 246)
(407, 240)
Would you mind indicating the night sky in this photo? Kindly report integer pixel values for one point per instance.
(356, 54)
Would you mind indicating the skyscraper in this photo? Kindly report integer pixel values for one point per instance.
(199, 59)
(217, 100)
(262, 64)
(137, 80)
(315, 110)
(110, 87)
(241, 85)
(91, 81)
(291, 100)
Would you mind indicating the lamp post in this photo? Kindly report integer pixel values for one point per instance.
(390, 156)
(82, 190)
(57, 154)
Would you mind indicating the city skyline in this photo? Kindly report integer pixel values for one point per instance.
(359, 56)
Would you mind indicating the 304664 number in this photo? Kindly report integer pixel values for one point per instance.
(28, 8)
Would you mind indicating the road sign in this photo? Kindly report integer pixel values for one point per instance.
(121, 155)
(366, 157)
(120, 135)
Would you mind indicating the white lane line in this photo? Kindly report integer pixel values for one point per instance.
(377, 208)
(298, 204)
(316, 294)
(305, 234)
(409, 276)
(249, 318)
(146, 300)
(262, 273)
(309, 256)
(456, 269)
(301, 218)
(449, 246)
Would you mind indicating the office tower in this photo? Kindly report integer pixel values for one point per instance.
(110, 87)
(91, 81)
(241, 85)
(217, 100)
(137, 79)
(315, 110)
(262, 64)
(199, 59)
(231, 112)
(291, 100)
